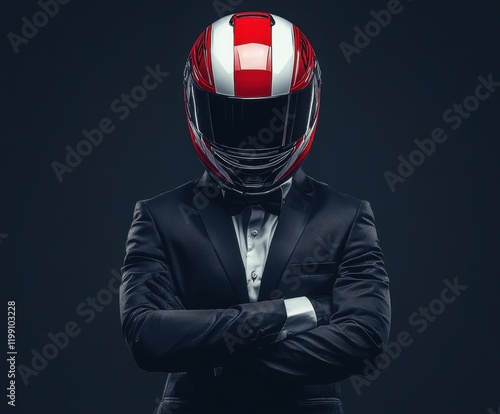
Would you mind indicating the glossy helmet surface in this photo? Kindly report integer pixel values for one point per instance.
(252, 92)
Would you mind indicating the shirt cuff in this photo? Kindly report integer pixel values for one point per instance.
(300, 317)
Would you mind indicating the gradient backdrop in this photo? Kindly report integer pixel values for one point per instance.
(62, 238)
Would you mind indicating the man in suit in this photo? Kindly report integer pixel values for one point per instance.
(256, 288)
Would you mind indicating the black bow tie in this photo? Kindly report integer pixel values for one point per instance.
(235, 202)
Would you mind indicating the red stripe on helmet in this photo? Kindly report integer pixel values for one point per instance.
(252, 54)
(303, 67)
(201, 61)
(300, 159)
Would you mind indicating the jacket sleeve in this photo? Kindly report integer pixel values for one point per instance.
(359, 327)
(164, 336)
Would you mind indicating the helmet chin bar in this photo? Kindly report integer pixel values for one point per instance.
(232, 174)
(243, 189)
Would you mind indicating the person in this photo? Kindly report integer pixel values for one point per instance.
(256, 288)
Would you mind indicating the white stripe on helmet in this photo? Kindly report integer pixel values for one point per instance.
(222, 54)
(283, 52)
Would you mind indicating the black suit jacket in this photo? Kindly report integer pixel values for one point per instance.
(184, 302)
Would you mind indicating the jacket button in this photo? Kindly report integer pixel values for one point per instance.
(259, 333)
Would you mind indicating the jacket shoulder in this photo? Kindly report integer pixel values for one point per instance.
(172, 198)
(329, 194)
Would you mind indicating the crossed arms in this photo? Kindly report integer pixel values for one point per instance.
(353, 323)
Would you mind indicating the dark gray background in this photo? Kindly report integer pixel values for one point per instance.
(61, 240)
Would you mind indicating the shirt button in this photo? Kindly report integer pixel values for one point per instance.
(254, 233)
(253, 275)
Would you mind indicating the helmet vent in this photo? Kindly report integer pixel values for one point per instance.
(251, 14)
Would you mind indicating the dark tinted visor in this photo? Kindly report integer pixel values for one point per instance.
(259, 123)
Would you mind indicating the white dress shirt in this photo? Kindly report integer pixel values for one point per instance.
(255, 229)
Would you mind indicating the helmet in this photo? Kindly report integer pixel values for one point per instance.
(251, 94)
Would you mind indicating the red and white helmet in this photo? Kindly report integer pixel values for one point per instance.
(252, 91)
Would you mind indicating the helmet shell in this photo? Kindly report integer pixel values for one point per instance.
(252, 90)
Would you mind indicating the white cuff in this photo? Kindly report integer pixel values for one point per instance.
(301, 317)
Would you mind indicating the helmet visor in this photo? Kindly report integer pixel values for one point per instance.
(252, 123)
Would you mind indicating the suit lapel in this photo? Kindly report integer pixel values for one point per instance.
(293, 218)
(219, 227)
